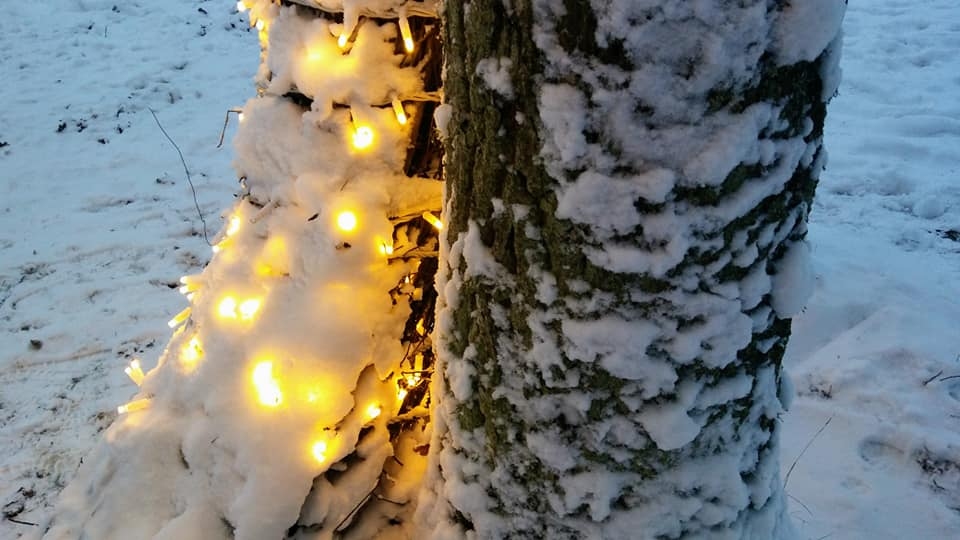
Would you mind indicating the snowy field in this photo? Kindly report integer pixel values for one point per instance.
(97, 223)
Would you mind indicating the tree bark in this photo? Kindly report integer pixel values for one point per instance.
(620, 267)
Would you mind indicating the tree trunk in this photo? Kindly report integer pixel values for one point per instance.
(627, 196)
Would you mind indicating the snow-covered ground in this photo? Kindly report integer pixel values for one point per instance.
(97, 223)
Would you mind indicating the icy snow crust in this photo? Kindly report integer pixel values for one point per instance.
(677, 51)
(211, 457)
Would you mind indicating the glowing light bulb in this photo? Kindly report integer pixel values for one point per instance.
(260, 24)
(135, 372)
(228, 308)
(362, 137)
(133, 406)
(406, 33)
(433, 220)
(373, 411)
(412, 379)
(248, 308)
(319, 450)
(241, 7)
(179, 318)
(191, 352)
(268, 390)
(240, 117)
(386, 249)
(188, 288)
(398, 111)
(347, 221)
(342, 40)
(234, 226)
(401, 394)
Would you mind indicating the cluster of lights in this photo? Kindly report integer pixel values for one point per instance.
(266, 385)
(243, 310)
(135, 372)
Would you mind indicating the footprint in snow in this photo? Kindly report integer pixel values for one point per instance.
(875, 451)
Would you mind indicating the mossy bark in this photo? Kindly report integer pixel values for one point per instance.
(502, 199)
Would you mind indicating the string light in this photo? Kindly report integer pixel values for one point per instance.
(362, 133)
(230, 308)
(386, 249)
(433, 220)
(133, 406)
(248, 308)
(191, 352)
(135, 372)
(179, 318)
(319, 450)
(347, 221)
(268, 390)
(227, 308)
(260, 24)
(189, 288)
(373, 411)
(401, 394)
(362, 137)
(234, 225)
(398, 110)
(406, 33)
(241, 7)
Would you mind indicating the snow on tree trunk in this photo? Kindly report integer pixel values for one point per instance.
(289, 402)
(628, 185)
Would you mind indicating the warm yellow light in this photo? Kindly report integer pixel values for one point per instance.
(319, 451)
(240, 117)
(362, 137)
(373, 411)
(268, 390)
(234, 226)
(314, 55)
(248, 308)
(401, 394)
(386, 249)
(412, 379)
(189, 288)
(241, 7)
(133, 406)
(347, 221)
(260, 24)
(191, 352)
(228, 308)
(179, 318)
(433, 220)
(342, 40)
(135, 372)
(398, 111)
(217, 248)
(406, 34)
(421, 329)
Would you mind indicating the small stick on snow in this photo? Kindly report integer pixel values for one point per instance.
(931, 379)
(786, 478)
(20, 522)
(186, 170)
